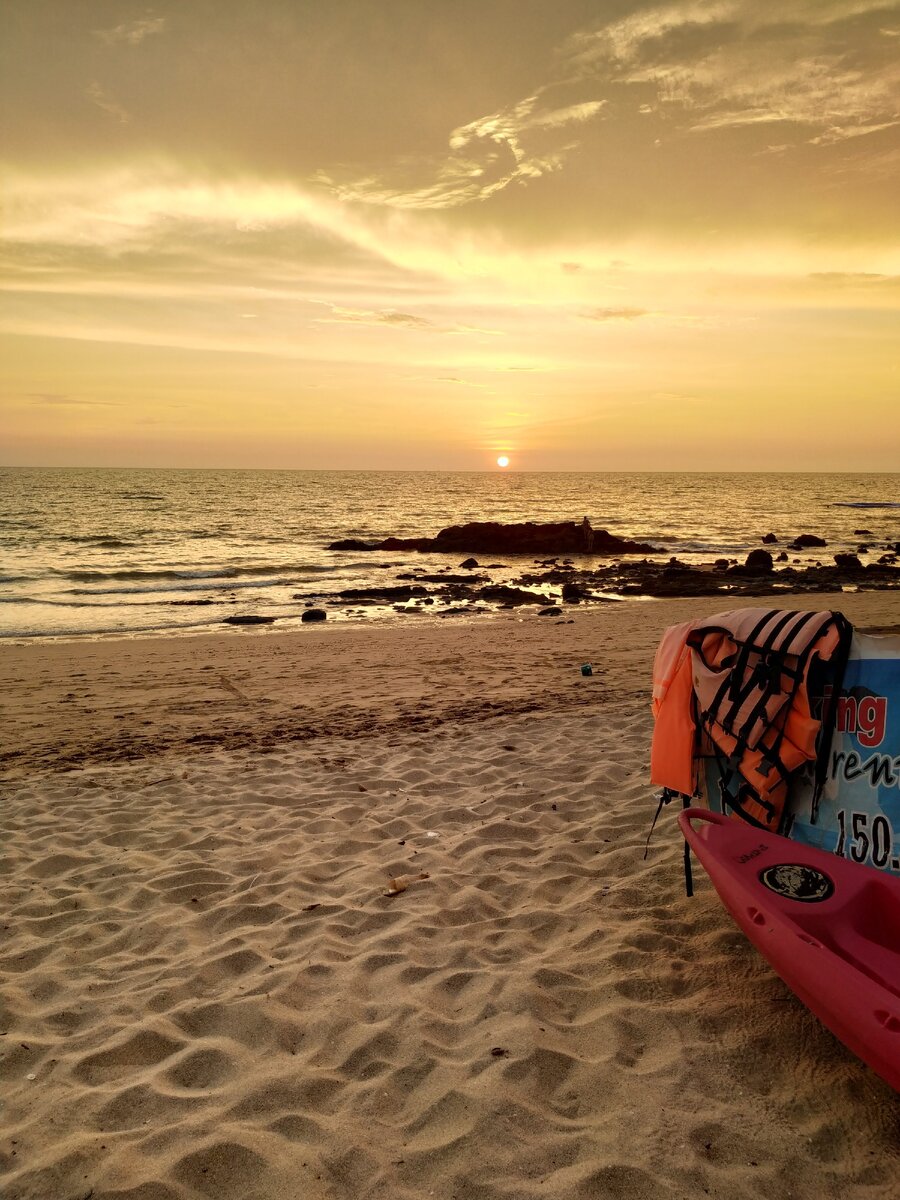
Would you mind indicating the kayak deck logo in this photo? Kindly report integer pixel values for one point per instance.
(795, 881)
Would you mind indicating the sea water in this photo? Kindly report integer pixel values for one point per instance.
(104, 552)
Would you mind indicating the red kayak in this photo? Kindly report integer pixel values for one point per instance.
(829, 927)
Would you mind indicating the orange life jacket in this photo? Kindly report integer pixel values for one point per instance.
(735, 686)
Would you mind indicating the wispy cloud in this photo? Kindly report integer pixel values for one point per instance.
(515, 144)
(389, 317)
(96, 94)
(855, 279)
(64, 400)
(736, 63)
(615, 314)
(132, 33)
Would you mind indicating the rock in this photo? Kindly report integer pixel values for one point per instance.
(553, 611)
(848, 562)
(446, 578)
(782, 557)
(574, 593)
(862, 532)
(469, 563)
(382, 595)
(501, 593)
(314, 614)
(805, 540)
(864, 549)
(248, 620)
(527, 537)
(759, 560)
(353, 544)
(770, 539)
(721, 564)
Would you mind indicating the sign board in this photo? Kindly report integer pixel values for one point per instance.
(859, 808)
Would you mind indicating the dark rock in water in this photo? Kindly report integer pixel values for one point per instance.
(248, 620)
(864, 549)
(848, 562)
(721, 564)
(805, 540)
(686, 582)
(770, 539)
(314, 614)
(759, 560)
(466, 579)
(527, 537)
(353, 544)
(862, 532)
(501, 593)
(381, 595)
(182, 603)
(574, 593)
(469, 563)
(553, 611)
(782, 557)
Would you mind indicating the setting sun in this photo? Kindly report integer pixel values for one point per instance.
(503, 461)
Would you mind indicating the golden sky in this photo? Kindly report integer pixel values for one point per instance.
(422, 233)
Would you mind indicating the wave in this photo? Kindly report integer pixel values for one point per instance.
(299, 570)
(104, 540)
(205, 585)
(866, 504)
(101, 630)
(78, 603)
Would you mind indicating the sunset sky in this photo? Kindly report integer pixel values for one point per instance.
(424, 233)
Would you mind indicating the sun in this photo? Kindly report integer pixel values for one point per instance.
(503, 461)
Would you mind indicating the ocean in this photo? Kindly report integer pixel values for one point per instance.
(107, 552)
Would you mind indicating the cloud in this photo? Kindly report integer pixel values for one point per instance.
(132, 33)
(61, 399)
(369, 317)
(515, 144)
(107, 103)
(737, 63)
(855, 279)
(615, 314)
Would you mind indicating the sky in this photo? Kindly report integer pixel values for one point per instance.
(421, 234)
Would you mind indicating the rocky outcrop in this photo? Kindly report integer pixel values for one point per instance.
(759, 560)
(848, 562)
(501, 593)
(805, 540)
(382, 595)
(528, 537)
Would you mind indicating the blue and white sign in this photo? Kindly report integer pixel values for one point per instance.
(859, 808)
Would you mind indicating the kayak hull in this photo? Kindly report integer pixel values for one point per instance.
(830, 928)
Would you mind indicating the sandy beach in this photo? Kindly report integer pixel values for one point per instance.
(206, 991)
